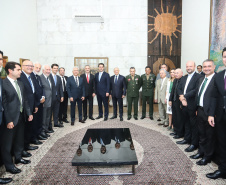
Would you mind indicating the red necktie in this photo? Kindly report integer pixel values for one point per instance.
(87, 78)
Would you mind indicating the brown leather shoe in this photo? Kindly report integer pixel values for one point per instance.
(81, 121)
(72, 123)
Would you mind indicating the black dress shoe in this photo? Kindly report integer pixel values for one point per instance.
(81, 121)
(31, 148)
(49, 131)
(91, 118)
(98, 117)
(177, 137)
(136, 118)
(191, 148)
(217, 174)
(196, 156)
(121, 119)
(159, 119)
(5, 180)
(65, 120)
(173, 134)
(13, 170)
(42, 138)
(105, 118)
(26, 154)
(85, 118)
(36, 142)
(59, 125)
(142, 117)
(22, 161)
(182, 142)
(160, 124)
(72, 123)
(113, 117)
(151, 118)
(203, 162)
(128, 118)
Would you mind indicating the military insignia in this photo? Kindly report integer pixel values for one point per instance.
(129, 79)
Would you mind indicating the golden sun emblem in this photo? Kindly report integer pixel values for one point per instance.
(165, 24)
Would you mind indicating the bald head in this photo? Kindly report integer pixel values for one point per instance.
(178, 73)
(116, 70)
(190, 67)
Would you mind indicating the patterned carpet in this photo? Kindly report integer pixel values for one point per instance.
(160, 160)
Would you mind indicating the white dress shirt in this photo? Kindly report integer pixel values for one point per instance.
(204, 90)
(115, 77)
(63, 79)
(187, 82)
(14, 85)
(162, 82)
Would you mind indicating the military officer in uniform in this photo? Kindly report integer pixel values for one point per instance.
(133, 83)
(148, 85)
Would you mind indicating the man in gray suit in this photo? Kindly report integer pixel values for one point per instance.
(47, 86)
(160, 97)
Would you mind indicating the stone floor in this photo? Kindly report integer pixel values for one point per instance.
(160, 159)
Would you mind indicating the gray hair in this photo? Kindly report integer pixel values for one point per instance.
(75, 67)
(163, 71)
(208, 60)
(44, 66)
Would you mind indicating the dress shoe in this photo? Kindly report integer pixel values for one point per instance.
(81, 121)
(159, 119)
(191, 148)
(113, 117)
(65, 120)
(142, 117)
(217, 174)
(5, 180)
(31, 148)
(121, 119)
(135, 118)
(22, 161)
(165, 125)
(160, 124)
(50, 131)
(128, 118)
(203, 162)
(151, 118)
(41, 138)
(176, 137)
(91, 118)
(196, 156)
(36, 142)
(59, 125)
(105, 118)
(98, 117)
(26, 154)
(182, 142)
(13, 170)
(72, 123)
(85, 118)
(173, 134)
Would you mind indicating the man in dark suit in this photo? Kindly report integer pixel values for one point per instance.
(37, 130)
(30, 91)
(217, 118)
(102, 90)
(2, 180)
(187, 91)
(89, 83)
(15, 107)
(64, 104)
(57, 94)
(117, 92)
(76, 93)
(199, 69)
(178, 124)
(203, 99)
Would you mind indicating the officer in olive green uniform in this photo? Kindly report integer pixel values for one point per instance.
(148, 85)
(133, 83)
(2, 69)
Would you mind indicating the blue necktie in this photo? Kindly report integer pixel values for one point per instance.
(116, 79)
(32, 87)
(55, 80)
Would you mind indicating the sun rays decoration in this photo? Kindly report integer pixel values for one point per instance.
(165, 24)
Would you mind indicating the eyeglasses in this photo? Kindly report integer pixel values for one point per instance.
(28, 65)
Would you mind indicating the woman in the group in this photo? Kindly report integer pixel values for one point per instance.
(168, 91)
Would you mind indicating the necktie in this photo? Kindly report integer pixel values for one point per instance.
(55, 79)
(76, 80)
(64, 86)
(175, 92)
(116, 79)
(48, 82)
(32, 87)
(19, 95)
(201, 90)
(225, 83)
(87, 78)
(36, 76)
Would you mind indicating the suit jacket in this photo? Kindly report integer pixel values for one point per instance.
(1, 106)
(207, 96)
(148, 85)
(89, 87)
(173, 90)
(190, 91)
(48, 91)
(33, 99)
(118, 89)
(218, 101)
(73, 91)
(11, 102)
(160, 94)
(57, 90)
(103, 86)
(39, 91)
(133, 86)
